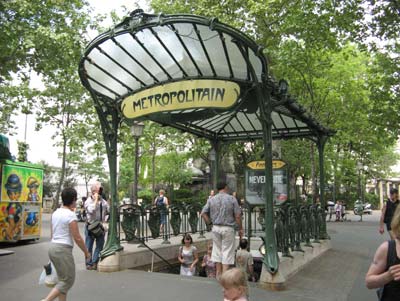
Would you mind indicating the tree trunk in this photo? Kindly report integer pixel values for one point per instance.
(304, 185)
(62, 175)
(87, 179)
(313, 174)
(292, 187)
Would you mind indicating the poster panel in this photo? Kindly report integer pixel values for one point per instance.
(10, 221)
(255, 182)
(31, 221)
(21, 184)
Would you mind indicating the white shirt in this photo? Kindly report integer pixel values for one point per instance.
(60, 221)
(93, 212)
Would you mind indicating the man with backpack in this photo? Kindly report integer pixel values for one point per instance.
(161, 202)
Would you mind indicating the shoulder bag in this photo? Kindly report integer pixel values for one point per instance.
(96, 228)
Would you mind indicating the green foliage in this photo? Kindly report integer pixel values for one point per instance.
(200, 197)
(49, 181)
(155, 139)
(373, 199)
(33, 34)
(183, 193)
(347, 80)
(22, 151)
(69, 179)
(319, 47)
(172, 169)
(185, 196)
(146, 196)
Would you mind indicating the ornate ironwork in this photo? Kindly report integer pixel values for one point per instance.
(110, 82)
(175, 219)
(154, 222)
(128, 222)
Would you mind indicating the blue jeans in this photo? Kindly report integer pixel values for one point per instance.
(89, 242)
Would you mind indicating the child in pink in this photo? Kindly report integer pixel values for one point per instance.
(209, 265)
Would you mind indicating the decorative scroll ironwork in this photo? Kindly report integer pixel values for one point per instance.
(175, 219)
(154, 222)
(295, 226)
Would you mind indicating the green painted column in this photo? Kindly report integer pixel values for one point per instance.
(109, 120)
(271, 258)
(321, 147)
(263, 93)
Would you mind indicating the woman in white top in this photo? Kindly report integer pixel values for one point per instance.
(64, 231)
(188, 256)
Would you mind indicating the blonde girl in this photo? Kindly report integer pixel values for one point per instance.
(234, 285)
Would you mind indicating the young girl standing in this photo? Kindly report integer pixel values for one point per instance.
(234, 283)
(209, 265)
(188, 256)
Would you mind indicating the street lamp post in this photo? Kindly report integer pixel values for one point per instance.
(137, 132)
(359, 192)
(208, 170)
(212, 155)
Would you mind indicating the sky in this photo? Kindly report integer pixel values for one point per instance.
(41, 143)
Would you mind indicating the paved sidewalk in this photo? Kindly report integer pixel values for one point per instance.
(4, 252)
(336, 275)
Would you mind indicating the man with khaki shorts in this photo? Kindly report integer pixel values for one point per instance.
(223, 211)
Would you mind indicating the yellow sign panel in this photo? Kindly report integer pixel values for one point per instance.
(189, 94)
(276, 164)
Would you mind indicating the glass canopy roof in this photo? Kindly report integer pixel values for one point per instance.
(148, 51)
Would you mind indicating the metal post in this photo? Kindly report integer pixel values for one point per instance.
(135, 183)
(321, 146)
(109, 129)
(214, 158)
(263, 94)
(271, 259)
(137, 131)
(359, 185)
(363, 187)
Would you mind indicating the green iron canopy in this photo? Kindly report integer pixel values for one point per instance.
(190, 73)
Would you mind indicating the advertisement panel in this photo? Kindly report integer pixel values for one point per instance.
(255, 182)
(21, 201)
(31, 221)
(10, 221)
(21, 184)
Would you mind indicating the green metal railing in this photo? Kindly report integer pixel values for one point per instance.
(295, 225)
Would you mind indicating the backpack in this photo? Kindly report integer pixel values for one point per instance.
(160, 201)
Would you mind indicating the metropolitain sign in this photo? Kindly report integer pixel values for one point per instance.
(182, 95)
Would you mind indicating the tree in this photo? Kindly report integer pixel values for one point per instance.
(22, 151)
(86, 146)
(60, 105)
(319, 47)
(33, 33)
(49, 184)
(172, 170)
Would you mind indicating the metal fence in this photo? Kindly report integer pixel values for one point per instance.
(293, 224)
